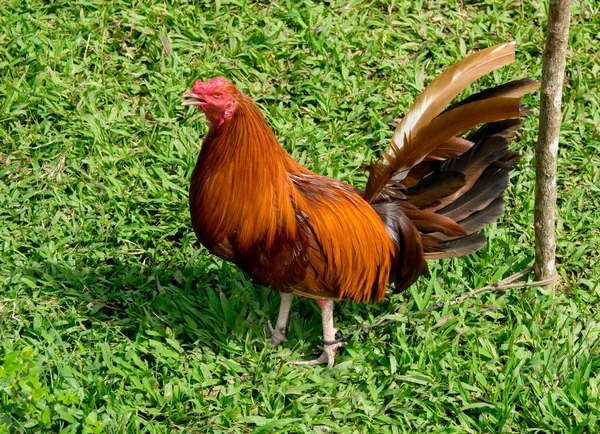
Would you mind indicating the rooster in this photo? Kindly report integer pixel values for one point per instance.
(438, 184)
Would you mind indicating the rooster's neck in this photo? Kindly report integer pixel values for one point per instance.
(246, 139)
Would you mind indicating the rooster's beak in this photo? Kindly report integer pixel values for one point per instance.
(193, 99)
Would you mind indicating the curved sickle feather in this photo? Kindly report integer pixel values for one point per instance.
(427, 106)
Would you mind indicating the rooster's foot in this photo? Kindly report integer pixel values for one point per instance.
(277, 336)
(328, 356)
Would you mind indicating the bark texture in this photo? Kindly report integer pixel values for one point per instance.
(554, 61)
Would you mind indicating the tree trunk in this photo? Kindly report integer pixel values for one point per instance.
(554, 59)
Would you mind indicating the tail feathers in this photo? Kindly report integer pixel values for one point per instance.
(427, 222)
(449, 201)
(490, 185)
(451, 148)
(508, 160)
(417, 173)
(454, 123)
(475, 204)
(480, 219)
(500, 107)
(454, 248)
(506, 128)
(478, 157)
(422, 130)
(442, 178)
(435, 187)
(491, 151)
(512, 89)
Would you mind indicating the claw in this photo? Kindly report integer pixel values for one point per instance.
(278, 332)
(277, 336)
(327, 357)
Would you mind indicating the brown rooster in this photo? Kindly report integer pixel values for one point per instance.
(306, 234)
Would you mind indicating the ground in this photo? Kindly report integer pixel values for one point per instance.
(114, 320)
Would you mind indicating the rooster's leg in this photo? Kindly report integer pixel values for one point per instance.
(329, 331)
(278, 333)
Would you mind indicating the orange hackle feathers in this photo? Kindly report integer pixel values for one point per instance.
(237, 161)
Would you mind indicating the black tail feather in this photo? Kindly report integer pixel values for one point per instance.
(435, 187)
(507, 129)
(506, 89)
(490, 185)
(481, 155)
(477, 221)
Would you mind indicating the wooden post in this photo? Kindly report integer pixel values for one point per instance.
(555, 53)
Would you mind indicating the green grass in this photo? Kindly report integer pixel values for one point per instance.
(114, 320)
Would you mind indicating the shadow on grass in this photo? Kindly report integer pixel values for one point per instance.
(204, 302)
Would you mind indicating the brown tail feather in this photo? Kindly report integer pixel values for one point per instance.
(452, 148)
(427, 222)
(459, 247)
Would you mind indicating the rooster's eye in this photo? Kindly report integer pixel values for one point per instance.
(217, 95)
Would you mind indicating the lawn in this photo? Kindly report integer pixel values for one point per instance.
(115, 320)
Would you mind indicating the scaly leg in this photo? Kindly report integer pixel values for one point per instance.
(329, 331)
(278, 333)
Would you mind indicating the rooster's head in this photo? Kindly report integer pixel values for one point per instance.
(217, 98)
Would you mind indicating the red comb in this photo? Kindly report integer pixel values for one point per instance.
(201, 87)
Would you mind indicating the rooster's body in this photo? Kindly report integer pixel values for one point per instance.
(306, 234)
(286, 226)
